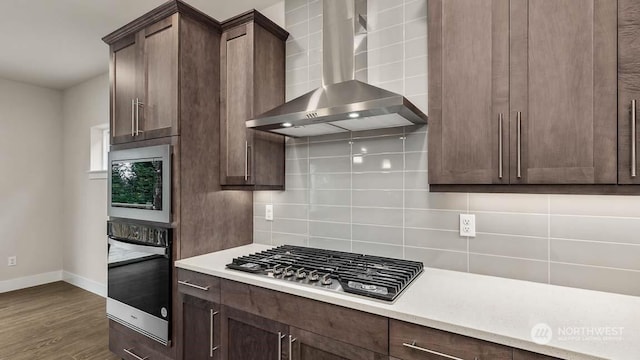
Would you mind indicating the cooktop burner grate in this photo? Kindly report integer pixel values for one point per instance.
(373, 276)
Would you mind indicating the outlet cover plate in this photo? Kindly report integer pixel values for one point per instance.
(467, 225)
(268, 212)
(12, 261)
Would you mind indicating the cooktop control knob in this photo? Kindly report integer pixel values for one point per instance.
(288, 272)
(326, 279)
(313, 276)
(300, 274)
(277, 269)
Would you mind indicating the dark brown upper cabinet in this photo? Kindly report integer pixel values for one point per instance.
(522, 92)
(468, 92)
(252, 70)
(145, 71)
(628, 91)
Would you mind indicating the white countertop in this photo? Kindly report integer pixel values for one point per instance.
(595, 324)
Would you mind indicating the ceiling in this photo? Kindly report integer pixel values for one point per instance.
(57, 44)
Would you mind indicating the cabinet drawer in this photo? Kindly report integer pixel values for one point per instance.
(200, 285)
(130, 345)
(414, 342)
(525, 355)
(364, 330)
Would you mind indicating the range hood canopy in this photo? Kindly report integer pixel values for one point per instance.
(345, 102)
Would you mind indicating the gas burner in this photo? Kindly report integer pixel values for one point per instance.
(372, 276)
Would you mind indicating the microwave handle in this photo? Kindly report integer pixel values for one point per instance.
(152, 250)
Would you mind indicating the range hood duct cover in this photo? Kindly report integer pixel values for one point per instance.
(345, 102)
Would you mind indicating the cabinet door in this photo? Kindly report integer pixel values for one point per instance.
(563, 91)
(159, 108)
(309, 346)
(200, 329)
(468, 91)
(249, 337)
(123, 72)
(236, 107)
(628, 90)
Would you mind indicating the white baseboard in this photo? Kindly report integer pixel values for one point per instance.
(29, 281)
(86, 284)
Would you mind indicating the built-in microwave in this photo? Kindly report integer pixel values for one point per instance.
(140, 184)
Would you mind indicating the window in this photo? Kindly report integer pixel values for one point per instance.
(99, 151)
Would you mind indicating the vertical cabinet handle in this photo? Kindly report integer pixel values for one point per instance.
(500, 118)
(519, 145)
(138, 105)
(133, 115)
(246, 161)
(130, 352)
(211, 322)
(633, 139)
(291, 341)
(280, 337)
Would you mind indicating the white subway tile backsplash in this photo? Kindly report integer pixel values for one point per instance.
(377, 198)
(327, 149)
(596, 254)
(415, 85)
(330, 230)
(421, 199)
(330, 165)
(330, 244)
(596, 278)
(330, 213)
(415, 9)
(373, 196)
(385, 37)
(442, 259)
(378, 234)
(431, 219)
(435, 239)
(377, 249)
(376, 216)
(296, 16)
(330, 181)
(377, 181)
(512, 224)
(330, 197)
(510, 245)
(385, 19)
(386, 55)
(380, 162)
(415, 28)
(415, 47)
(296, 166)
(299, 30)
(605, 229)
(513, 268)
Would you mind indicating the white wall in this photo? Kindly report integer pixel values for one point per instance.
(85, 200)
(31, 169)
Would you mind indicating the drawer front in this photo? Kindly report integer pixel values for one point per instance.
(414, 342)
(128, 345)
(199, 285)
(525, 355)
(350, 326)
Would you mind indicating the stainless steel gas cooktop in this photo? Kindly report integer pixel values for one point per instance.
(372, 276)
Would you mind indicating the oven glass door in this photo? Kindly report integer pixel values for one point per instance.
(140, 276)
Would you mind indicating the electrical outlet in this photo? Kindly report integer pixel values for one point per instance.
(13, 261)
(268, 212)
(467, 225)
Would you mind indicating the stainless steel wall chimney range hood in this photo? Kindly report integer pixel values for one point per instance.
(345, 102)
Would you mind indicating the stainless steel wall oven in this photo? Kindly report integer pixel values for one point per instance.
(139, 278)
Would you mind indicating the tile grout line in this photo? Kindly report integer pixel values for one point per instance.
(351, 191)
(404, 216)
(468, 247)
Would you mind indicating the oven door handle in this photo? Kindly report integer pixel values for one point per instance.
(151, 250)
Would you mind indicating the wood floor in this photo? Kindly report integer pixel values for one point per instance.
(54, 322)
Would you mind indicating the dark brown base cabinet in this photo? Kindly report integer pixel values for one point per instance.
(227, 320)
